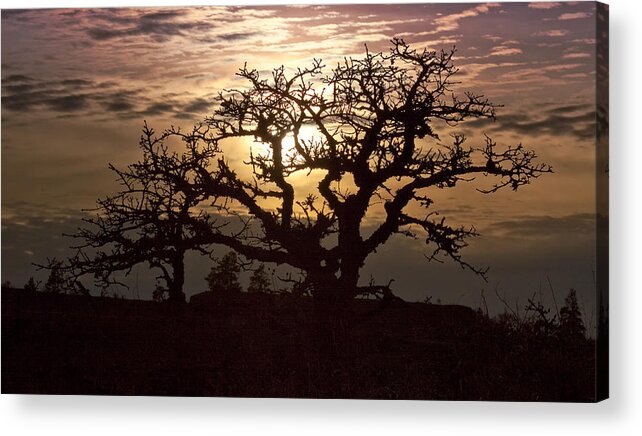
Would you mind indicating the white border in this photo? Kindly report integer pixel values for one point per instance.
(621, 414)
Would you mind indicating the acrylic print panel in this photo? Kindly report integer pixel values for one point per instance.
(341, 201)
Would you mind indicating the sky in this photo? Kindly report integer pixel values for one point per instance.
(77, 85)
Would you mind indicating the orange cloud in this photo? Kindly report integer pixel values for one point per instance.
(544, 5)
(552, 33)
(574, 16)
(451, 22)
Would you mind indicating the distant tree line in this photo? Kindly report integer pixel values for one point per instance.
(222, 279)
(538, 322)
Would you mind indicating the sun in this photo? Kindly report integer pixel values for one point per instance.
(305, 135)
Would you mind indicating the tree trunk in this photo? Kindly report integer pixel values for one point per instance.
(176, 294)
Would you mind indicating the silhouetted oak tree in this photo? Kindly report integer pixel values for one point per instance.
(376, 145)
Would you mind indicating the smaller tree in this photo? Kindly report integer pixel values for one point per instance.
(224, 275)
(61, 279)
(160, 293)
(32, 285)
(571, 325)
(259, 281)
(57, 280)
(156, 218)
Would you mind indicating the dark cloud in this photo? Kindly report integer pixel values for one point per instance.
(118, 105)
(22, 15)
(27, 101)
(198, 106)
(582, 224)
(76, 82)
(114, 99)
(112, 16)
(239, 36)
(18, 88)
(19, 78)
(569, 109)
(27, 94)
(65, 96)
(21, 99)
(68, 103)
(102, 33)
(159, 108)
(163, 15)
(159, 26)
(576, 120)
(24, 94)
(582, 125)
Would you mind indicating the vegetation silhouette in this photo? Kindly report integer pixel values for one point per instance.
(257, 346)
(224, 275)
(260, 281)
(371, 130)
(376, 125)
(154, 219)
(32, 285)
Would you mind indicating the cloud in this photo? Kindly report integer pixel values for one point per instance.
(544, 5)
(568, 109)
(163, 15)
(574, 16)
(237, 36)
(552, 33)
(159, 26)
(587, 41)
(23, 94)
(82, 97)
(159, 108)
(16, 78)
(494, 38)
(118, 105)
(546, 226)
(68, 95)
(198, 106)
(450, 22)
(503, 50)
(574, 120)
(576, 55)
(21, 15)
(68, 103)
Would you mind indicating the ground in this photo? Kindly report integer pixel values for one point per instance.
(259, 345)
